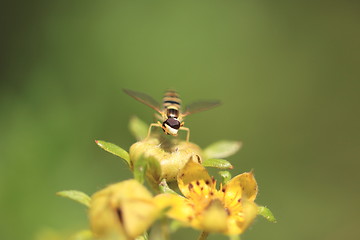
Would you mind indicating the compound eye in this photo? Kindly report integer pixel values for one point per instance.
(173, 123)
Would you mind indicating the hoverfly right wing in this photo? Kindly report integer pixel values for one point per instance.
(200, 106)
(144, 98)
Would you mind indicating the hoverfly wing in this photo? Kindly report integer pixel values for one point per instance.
(200, 106)
(144, 98)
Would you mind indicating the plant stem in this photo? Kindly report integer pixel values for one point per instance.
(165, 229)
(203, 235)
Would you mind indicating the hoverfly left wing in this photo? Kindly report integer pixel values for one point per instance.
(200, 106)
(144, 98)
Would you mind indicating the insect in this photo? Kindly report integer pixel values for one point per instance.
(171, 112)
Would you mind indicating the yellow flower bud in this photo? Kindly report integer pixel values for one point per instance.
(171, 154)
(122, 211)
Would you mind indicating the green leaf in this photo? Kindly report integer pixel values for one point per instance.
(148, 167)
(164, 187)
(138, 128)
(77, 196)
(217, 163)
(266, 213)
(222, 149)
(225, 176)
(140, 167)
(114, 149)
(154, 169)
(153, 172)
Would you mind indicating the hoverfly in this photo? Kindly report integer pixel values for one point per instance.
(171, 113)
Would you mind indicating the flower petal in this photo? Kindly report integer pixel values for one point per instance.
(194, 178)
(250, 211)
(126, 208)
(237, 224)
(180, 209)
(139, 214)
(214, 217)
(241, 186)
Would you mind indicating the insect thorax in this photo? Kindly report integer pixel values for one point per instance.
(172, 113)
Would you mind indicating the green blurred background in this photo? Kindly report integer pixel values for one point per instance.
(287, 73)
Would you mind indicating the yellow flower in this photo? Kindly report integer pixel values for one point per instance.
(122, 211)
(229, 210)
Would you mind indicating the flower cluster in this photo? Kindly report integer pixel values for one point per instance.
(128, 210)
(228, 210)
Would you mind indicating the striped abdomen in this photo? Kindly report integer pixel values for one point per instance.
(172, 103)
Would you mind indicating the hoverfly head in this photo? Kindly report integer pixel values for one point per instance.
(171, 126)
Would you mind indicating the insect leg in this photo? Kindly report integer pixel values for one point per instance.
(188, 132)
(158, 124)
